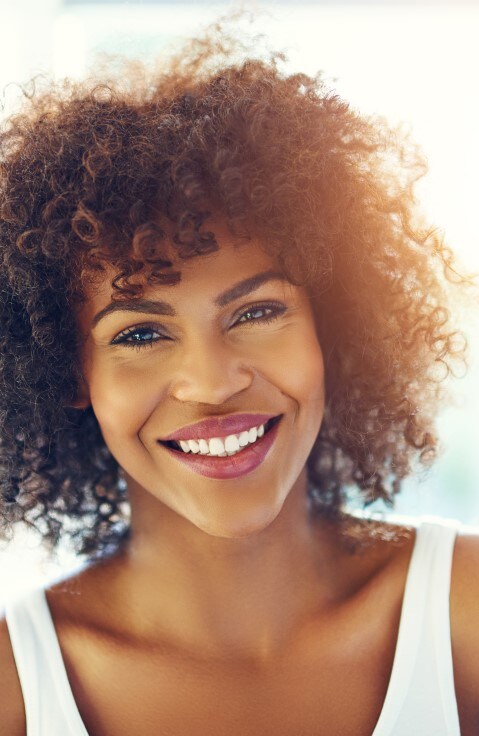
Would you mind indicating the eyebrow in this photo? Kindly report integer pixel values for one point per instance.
(153, 306)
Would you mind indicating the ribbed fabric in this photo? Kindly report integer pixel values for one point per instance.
(420, 698)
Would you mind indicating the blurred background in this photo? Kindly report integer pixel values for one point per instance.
(414, 63)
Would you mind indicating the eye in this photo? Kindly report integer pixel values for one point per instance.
(142, 336)
(274, 309)
(144, 333)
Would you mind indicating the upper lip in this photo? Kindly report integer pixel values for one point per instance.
(219, 426)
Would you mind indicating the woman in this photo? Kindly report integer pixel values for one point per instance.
(228, 246)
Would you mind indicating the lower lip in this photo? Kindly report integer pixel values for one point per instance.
(230, 466)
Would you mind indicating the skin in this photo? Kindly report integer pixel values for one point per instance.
(202, 537)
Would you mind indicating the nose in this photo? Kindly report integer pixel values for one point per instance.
(210, 372)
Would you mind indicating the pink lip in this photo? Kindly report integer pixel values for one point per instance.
(233, 466)
(219, 426)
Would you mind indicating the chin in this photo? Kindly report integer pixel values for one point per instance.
(239, 526)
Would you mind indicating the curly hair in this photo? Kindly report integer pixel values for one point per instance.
(89, 168)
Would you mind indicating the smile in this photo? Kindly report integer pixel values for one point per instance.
(223, 463)
(223, 446)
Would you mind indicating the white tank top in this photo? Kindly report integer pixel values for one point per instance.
(420, 698)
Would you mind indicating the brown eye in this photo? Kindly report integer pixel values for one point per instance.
(275, 311)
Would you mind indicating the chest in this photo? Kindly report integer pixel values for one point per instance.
(335, 681)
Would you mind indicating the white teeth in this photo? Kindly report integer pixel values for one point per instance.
(243, 438)
(232, 443)
(216, 446)
(220, 447)
(203, 447)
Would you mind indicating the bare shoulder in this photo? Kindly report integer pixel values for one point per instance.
(464, 610)
(12, 710)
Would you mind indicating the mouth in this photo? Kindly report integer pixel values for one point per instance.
(173, 445)
(232, 465)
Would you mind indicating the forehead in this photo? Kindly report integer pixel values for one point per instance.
(202, 276)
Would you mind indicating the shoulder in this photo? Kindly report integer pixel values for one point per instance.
(12, 710)
(464, 613)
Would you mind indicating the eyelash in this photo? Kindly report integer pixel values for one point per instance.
(122, 338)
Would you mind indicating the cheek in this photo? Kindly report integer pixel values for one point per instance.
(301, 365)
(308, 366)
(123, 396)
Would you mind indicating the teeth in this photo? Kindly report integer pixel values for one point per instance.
(243, 439)
(219, 447)
(232, 443)
(203, 447)
(216, 446)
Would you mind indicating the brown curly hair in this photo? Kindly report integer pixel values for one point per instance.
(88, 169)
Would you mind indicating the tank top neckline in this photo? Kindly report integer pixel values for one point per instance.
(401, 671)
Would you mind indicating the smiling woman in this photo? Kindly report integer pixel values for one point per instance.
(246, 353)
(220, 311)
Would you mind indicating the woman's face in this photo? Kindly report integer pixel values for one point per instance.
(148, 375)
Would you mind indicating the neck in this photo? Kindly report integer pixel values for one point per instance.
(250, 596)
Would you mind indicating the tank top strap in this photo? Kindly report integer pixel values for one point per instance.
(421, 693)
(50, 707)
(440, 541)
(429, 580)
